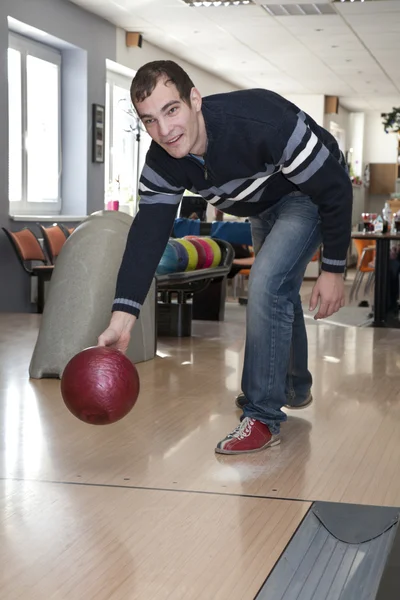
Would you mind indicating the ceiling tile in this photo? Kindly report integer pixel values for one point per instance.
(253, 49)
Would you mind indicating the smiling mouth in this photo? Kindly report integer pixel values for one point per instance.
(174, 140)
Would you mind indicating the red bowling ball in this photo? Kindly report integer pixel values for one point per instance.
(209, 253)
(100, 385)
(202, 257)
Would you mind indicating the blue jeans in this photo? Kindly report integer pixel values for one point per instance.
(275, 372)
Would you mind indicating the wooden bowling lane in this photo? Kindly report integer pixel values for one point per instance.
(69, 542)
(343, 448)
(18, 333)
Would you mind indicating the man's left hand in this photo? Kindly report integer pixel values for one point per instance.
(329, 290)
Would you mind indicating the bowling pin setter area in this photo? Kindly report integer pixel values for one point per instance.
(143, 509)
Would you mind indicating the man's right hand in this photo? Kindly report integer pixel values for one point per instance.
(118, 333)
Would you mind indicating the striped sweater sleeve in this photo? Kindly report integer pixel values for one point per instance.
(147, 239)
(312, 167)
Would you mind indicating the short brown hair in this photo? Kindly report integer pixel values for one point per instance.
(148, 75)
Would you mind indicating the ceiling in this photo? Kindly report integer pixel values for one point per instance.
(353, 53)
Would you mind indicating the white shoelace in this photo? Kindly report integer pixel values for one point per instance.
(243, 430)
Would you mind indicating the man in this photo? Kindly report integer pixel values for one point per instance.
(250, 153)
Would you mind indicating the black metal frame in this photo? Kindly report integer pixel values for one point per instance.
(98, 128)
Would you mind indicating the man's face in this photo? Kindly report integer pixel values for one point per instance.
(169, 121)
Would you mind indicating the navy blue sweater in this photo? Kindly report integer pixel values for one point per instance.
(261, 147)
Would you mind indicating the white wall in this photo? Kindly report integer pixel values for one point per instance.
(312, 104)
(342, 118)
(379, 147)
(95, 39)
(134, 58)
(356, 141)
(338, 126)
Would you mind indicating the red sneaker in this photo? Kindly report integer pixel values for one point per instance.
(249, 436)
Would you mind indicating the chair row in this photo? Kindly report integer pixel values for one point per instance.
(29, 251)
(54, 238)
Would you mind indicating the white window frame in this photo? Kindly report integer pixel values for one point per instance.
(27, 47)
(113, 78)
(140, 148)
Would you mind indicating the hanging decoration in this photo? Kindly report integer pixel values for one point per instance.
(391, 122)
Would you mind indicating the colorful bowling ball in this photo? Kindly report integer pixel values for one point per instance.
(216, 251)
(100, 385)
(170, 262)
(209, 252)
(201, 253)
(192, 253)
(183, 255)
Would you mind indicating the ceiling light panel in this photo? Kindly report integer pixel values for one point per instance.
(216, 3)
(301, 10)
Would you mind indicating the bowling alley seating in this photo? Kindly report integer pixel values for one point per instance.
(67, 230)
(184, 226)
(229, 231)
(29, 251)
(81, 293)
(54, 238)
(233, 232)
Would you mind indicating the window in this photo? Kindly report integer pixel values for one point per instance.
(34, 93)
(339, 134)
(126, 138)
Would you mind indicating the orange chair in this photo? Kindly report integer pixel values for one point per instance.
(54, 238)
(28, 250)
(316, 256)
(366, 250)
(67, 230)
